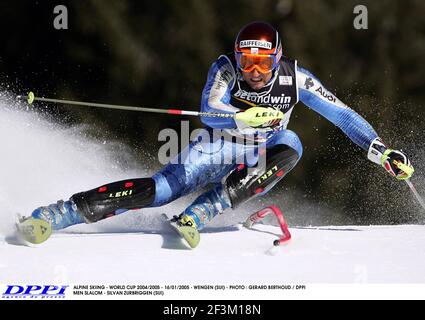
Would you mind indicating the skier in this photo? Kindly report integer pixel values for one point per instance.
(256, 80)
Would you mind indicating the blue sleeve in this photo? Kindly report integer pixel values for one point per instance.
(216, 94)
(313, 94)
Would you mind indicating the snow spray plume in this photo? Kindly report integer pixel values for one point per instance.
(42, 161)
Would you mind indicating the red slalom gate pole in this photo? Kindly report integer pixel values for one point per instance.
(258, 216)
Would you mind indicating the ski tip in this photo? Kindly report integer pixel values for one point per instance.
(191, 235)
(33, 231)
(31, 97)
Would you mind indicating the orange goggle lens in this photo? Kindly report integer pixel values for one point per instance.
(264, 63)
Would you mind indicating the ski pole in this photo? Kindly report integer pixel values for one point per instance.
(408, 169)
(415, 192)
(31, 98)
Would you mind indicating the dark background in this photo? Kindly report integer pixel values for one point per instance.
(157, 54)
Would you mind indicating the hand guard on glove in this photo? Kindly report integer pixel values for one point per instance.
(264, 117)
(395, 162)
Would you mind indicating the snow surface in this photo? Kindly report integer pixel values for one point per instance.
(42, 162)
(232, 255)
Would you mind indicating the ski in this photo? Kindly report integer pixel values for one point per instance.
(189, 234)
(33, 231)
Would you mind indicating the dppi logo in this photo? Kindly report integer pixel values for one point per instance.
(30, 291)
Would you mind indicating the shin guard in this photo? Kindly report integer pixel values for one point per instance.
(245, 183)
(99, 203)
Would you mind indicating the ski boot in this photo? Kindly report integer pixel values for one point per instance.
(207, 206)
(59, 215)
(38, 227)
(199, 213)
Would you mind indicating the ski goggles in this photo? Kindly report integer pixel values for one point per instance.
(264, 63)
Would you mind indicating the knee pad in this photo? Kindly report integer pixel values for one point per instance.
(245, 183)
(99, 203)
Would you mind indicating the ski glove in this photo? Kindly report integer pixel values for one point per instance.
(394, 162)
(259, 117)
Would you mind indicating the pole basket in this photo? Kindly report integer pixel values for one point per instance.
(259, 215)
